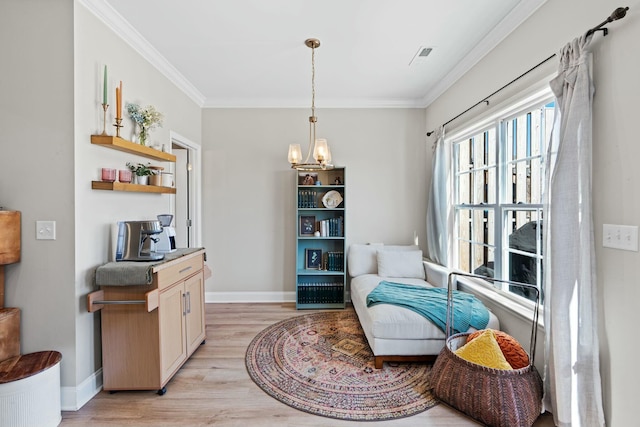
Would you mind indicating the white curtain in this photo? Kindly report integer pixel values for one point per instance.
(572, 386)
(438, 204)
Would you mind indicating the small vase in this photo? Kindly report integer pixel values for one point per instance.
(142, 180)
(143, 135)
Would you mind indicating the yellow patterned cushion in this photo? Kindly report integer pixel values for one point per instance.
(516, 356)
(484, 350)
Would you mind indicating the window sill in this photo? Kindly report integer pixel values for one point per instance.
(492, 296)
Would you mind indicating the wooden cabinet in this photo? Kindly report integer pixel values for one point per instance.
(120, 144)
(320, 239)
(181, 317)
(144, 345)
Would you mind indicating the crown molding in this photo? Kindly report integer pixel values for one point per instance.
(123, 29)
(116, 22)
(513, 20)
(304, 103)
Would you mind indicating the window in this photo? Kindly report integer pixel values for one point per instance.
(498, 180)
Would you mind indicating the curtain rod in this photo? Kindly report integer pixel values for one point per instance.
(619, 13)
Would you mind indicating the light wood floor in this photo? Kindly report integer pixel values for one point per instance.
(213, 387)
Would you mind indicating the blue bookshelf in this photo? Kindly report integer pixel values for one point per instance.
(320, 239)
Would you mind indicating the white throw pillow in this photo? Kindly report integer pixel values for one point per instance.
(400, 264)
(361, 259)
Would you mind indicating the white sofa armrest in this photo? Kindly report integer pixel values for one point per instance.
(437, 275)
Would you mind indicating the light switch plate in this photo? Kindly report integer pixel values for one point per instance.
(45, 230)
(623, 237)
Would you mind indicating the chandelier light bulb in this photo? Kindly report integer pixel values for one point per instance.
(295, 154)
(320, 150)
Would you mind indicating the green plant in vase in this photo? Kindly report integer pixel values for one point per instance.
(146, 119)
(141, 171)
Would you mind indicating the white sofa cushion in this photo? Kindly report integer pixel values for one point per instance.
(387, 320)
(390, 321)
(401, 264)
(363, 259)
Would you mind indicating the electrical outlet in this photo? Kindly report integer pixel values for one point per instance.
(623, 237)
(45, 230)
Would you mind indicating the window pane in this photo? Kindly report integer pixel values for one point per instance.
(535, 181)
(464, 155)
(479, 187)
(464, 224)
(464, 258)
(492, 185)
(527, 136)
(476, 248)
(492, 149)
(464, 189)
(525, 250)
(485, 260)
(522, 185)
(479, 151)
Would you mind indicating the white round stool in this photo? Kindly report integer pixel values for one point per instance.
(30, 390)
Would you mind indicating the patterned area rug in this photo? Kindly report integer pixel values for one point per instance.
(321, 363)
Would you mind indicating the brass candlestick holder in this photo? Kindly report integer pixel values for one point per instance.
(105, 107)
(118, 125)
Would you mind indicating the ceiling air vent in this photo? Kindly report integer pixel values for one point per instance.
(421, 55)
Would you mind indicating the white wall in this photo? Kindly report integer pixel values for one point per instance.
(95, 211)
(249, 193)
(37, 169)
(615, 151)
(48, 109)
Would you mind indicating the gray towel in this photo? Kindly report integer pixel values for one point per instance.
(128, 273)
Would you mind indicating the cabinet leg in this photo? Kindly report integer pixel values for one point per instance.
(162, 391)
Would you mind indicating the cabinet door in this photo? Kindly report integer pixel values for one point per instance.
(171, 309)
(194, 288)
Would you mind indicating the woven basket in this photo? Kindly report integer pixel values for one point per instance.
(495, 397)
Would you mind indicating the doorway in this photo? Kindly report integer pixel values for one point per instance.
(186, 202)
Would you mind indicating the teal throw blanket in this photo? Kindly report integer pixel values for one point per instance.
(431, 303)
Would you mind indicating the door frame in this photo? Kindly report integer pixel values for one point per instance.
(195, 184)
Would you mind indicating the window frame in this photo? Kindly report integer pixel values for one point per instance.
(495, 119)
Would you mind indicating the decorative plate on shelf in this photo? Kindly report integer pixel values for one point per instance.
(331, 199)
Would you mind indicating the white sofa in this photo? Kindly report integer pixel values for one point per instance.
(396, 333)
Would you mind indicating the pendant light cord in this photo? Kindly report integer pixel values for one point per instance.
(312, 119)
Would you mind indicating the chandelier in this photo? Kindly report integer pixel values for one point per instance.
(317, 146)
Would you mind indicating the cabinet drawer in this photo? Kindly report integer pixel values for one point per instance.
(175, 273)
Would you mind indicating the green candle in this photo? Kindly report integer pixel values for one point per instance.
(104, 92)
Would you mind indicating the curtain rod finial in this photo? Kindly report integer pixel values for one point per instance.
(619, 13)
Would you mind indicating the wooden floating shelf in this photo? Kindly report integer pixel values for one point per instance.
(135, 188)
(120, 144)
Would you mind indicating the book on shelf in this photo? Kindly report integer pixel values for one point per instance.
(307, 199)
(331, 227)
(320, 293)
(333, 261)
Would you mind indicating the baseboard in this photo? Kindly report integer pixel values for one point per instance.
(257, 297)
(74, 398)
(240, 297)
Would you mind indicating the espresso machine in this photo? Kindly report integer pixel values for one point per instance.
(167, 239)
(137, 241)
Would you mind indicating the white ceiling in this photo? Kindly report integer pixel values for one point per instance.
(251, 53)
